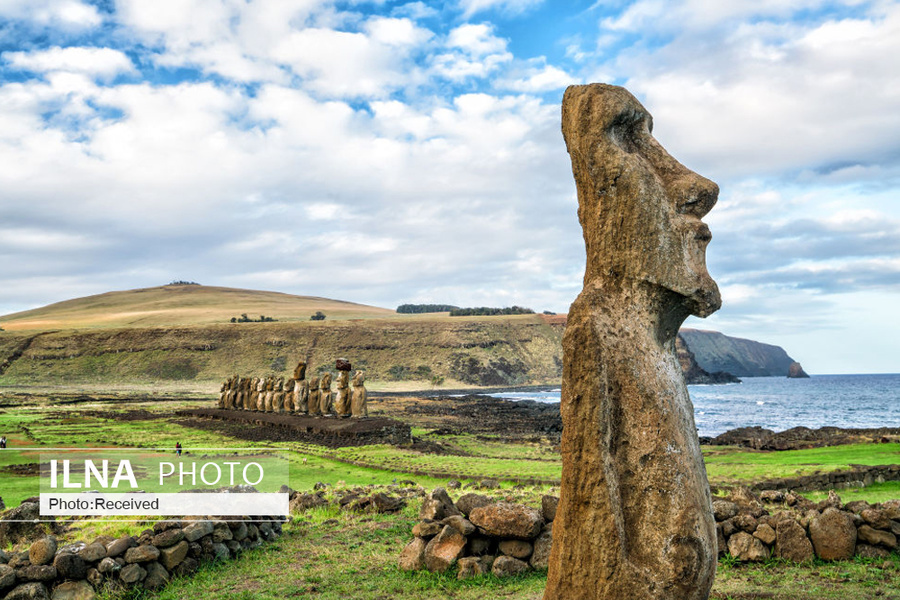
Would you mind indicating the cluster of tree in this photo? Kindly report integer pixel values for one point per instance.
(179, 282)
(245, 319)
(487, 310)
(425, 308)
(319, 316)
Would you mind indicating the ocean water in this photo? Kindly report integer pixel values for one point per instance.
(779, 403)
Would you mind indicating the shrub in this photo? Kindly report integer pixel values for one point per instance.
(319, 316)
(489, 311)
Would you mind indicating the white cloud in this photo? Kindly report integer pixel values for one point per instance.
(535, 78)
(99, 62)
(474, 51)
(471, 7)
(67, 14)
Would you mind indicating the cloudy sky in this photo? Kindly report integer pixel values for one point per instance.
(387, 152)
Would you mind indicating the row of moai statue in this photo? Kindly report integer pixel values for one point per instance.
(297, 395)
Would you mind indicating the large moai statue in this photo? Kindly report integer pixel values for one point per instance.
(270, 393)
(253, 394)
(326, 396)
(288, 405)
(359, 399)
(301, 388)
(278, 398)
(315, 407)
(260, 403)
(342, 399)
(634, 517)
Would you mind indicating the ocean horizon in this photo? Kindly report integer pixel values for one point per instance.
(860, 401)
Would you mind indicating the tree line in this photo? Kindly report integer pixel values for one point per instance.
(425, 308)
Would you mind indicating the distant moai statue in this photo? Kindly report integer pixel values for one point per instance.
(635, 516)
(260, 394)
(270, 393)
(278, 398)
(342, 400)
(288, 405)
(315, 407)
(223, 392)
(326, 396)
(359, 399)
(232, 393)
(244, 394)
(253, 394)
(301, 389)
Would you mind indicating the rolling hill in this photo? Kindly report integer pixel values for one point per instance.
(188, 304)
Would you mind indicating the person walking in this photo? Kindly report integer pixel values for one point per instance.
(3, 442)
(177, 448)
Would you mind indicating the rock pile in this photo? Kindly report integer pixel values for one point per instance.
(170, 548)
(789, 526)
(479, 535)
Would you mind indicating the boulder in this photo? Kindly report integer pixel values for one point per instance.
(187, 567)
(444, 549)
(195, 530)
(791, 542)
(7, 577)
(876, 537)
(505, 566)
(301, 502)
(29, 591)
(746, 548)
(867, 551)
(507, 520)
(387, 504)
(471, 566)
(170, 557)
(469, 502)
(119, 546)
(157, 576)
(516, 548)
(19, 524)
(38, 573)
(42, 551)
(167, 538)
(460, 523)
(540, 557)
(132, 573)
(478, 546)
(108, 565)
(438, 506)
(876, 518)
(724, 510)
(70, 566)
(765, 534)
(93, 552)
(427, 529)
(74, 590)
(833, 535)
(548, 507)
(140, 554)
(413, 556)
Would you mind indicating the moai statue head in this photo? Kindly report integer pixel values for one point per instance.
(640, 209)
(359, 378)
(300, 371)
(279, 384)
(326, 381)
(314, 383)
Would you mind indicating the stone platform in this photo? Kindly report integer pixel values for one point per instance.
(330, 431)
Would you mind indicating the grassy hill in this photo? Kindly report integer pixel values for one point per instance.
(180, 305)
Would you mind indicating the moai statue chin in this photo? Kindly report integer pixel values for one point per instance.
(634, 517)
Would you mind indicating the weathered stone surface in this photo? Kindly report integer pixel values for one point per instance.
(508, 520)
(156, 577)
(791, 542)
(38, 573)
(867, 551)
(427, 529)
(876, 537)
(7, 577)
(470, 566)
(29, 591)
(167, 538)
(186, 567)
(19, 524)
(747, 548)
(723, 510)
(437, 506)
(119, 546)
(74, 590)
(548, 507)
(469, 502)
(635, 515)
(93, 552)
(70, 566)
(94, 577)
(876, 518)
(195, 530)
(540, 558)
(302, 502)
(765, 533)
(746, 523)
(140, 554)
(42, 551)
(833, 535)
(444, 549)
(413, 556)
(478, 546)
(460, 523)
(132, 573)
(108, 565)
(170, 557)
(505, 566)
(516, 548)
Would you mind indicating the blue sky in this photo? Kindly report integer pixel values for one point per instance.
(393, 152)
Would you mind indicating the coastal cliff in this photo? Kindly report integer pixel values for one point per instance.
(715, 351)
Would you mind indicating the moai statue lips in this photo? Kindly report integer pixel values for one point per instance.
(634, 518)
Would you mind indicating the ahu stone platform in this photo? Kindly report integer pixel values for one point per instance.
(329, 431)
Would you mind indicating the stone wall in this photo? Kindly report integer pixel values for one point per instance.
(859, 476)
(477, 535)
(170, 548)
